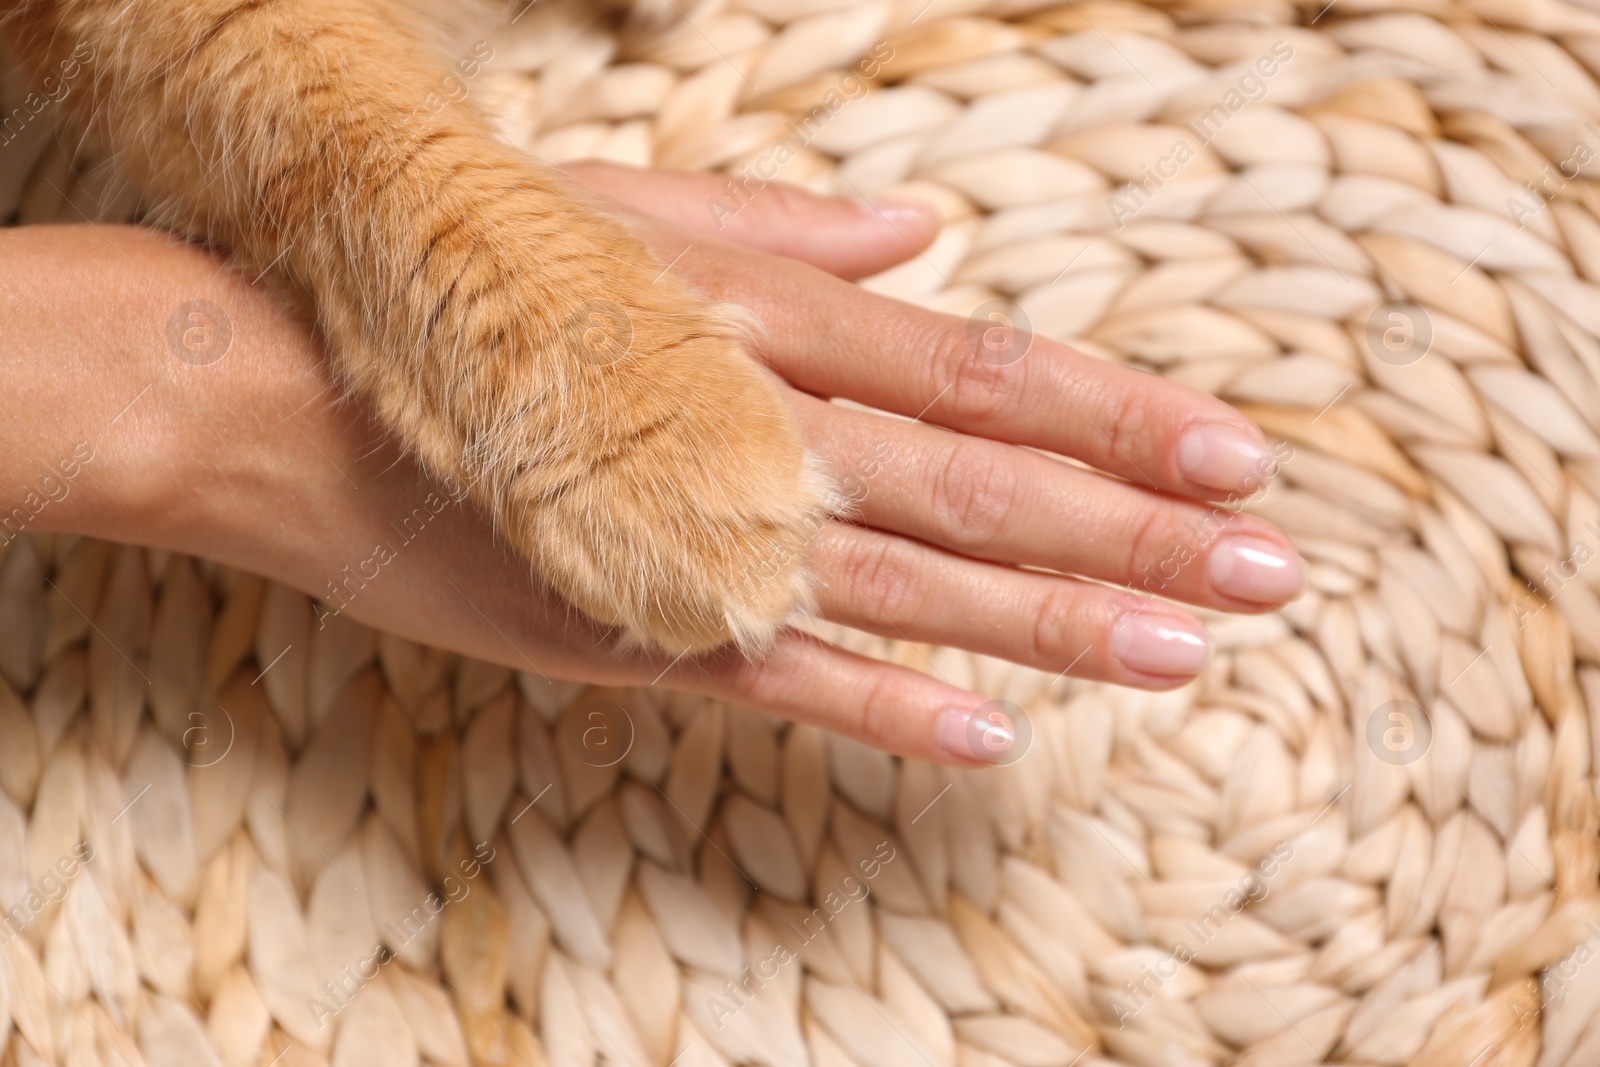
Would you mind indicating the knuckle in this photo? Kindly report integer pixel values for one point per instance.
(764, 690)
(1148, 544)
(789, 203)
(879, 711)
(1054, 627)
(973, 495)
(1128, 432)
(975, 390)
(885, 577)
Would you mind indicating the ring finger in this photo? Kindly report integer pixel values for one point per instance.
(900, 588)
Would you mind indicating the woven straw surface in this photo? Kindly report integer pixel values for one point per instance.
(1367, 835)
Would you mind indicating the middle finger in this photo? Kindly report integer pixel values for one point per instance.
(831, 338)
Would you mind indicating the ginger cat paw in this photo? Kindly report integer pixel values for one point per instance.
(513, 338)
(609, 419)
(685, 521)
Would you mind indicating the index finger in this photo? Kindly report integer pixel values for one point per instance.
(834, 339)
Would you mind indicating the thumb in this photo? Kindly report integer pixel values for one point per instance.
(847, 238)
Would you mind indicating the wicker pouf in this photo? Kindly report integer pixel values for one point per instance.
(1366, 836)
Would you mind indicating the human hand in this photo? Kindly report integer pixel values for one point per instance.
(944, 520)
(252, 460)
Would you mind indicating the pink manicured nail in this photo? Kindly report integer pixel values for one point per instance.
(985, 734)
(1155, 643)
(1225, 458)
(898, 212)
(1254, 569)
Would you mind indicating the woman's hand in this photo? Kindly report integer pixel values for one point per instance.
(250, 456)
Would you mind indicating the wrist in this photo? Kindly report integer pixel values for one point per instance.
(141, 372)
(72, 380)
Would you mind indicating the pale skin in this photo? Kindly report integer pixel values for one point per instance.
(254, 460)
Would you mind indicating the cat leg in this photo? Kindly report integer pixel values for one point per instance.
(516, 341)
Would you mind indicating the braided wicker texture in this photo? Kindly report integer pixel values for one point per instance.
(1366, 836)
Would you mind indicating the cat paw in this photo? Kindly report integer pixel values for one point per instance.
(680, 508)
(526, 345)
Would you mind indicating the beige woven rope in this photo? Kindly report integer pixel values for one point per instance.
(1366, 836)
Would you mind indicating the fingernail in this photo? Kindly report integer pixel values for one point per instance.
(1154, 643)
(985, 735)
(1254, 569)
(898, 212)
(1225, 458)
